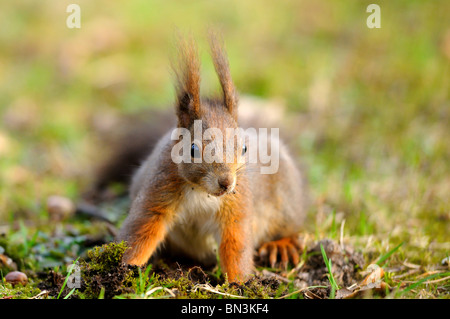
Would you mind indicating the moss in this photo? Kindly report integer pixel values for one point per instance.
(106, 257)
(28, 291)
(254, 288)
(105, 270)
(188, 284)
(262, 288)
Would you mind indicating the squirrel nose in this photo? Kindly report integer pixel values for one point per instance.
(225, 182)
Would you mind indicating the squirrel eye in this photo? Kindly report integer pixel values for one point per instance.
(244, 149)
(195, 151)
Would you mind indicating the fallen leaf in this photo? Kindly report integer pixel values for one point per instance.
(373, 281)
(375, 276)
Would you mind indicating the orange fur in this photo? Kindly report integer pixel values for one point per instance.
(146, 230)
(148, 235)
(236, 247)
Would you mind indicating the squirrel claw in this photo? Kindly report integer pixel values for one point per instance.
(287, 248)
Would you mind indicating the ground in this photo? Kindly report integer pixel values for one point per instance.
(372, 107)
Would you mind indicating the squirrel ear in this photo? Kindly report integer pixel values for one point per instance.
(222, 67)
(187, 73)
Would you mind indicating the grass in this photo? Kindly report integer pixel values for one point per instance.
(372, 105)
(388, 254)
(328, 264)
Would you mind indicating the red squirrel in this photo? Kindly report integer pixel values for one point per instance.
(191, 208)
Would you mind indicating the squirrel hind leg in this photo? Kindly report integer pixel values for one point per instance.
(281, 252)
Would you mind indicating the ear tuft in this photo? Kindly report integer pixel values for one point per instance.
(222, 67)
(187, 73)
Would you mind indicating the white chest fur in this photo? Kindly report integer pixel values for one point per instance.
(198, 211)
(196, 230)
(196, 202)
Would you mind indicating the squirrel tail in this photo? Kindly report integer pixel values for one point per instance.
(127, 145)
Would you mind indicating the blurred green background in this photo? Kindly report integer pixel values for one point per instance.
(373, 103)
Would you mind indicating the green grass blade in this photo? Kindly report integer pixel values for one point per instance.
(425, 279)
(70, 293)
(387, 255)
(333, 283)
(101, 295)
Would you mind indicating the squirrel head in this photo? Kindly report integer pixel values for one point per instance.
(217, 147)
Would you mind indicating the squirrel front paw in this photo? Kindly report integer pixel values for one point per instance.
(286, 248)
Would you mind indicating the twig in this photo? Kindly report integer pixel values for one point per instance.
(44, 292)
(409, 265)
(313, 295)
(269, 274)
(436, 280)
(153, 290)
(428, 273)
(341, 238)
(408, 273)
(296, 268)
(210, 289)
(300, 290)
